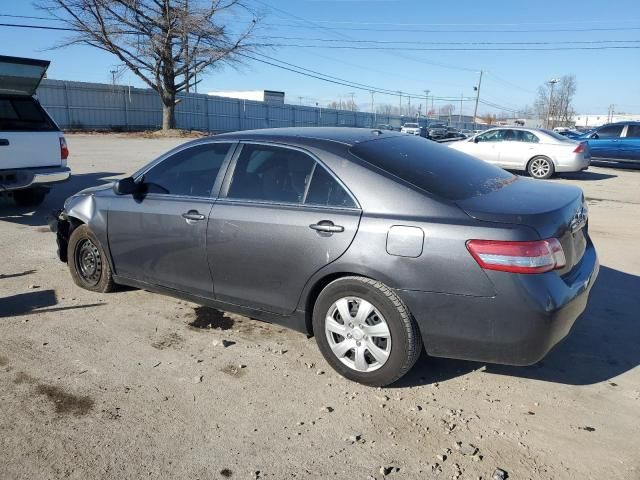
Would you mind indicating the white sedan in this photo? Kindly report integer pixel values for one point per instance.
(539, 152)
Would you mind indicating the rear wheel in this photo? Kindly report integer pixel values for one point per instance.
(365, 331)
(88, 262)
(541, 168)
(30, 197)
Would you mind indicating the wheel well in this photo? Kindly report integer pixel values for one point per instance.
(66, 228)
(315, 292)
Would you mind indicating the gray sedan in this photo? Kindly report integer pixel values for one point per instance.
(378, 243)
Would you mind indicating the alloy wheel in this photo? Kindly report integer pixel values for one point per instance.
(540, 167)
(358, 334)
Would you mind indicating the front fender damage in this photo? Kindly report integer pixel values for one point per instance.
(77, 210)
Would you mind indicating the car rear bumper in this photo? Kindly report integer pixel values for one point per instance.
(575, 163)
(17, 179)
(528, 316)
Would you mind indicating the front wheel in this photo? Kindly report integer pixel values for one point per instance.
(540, 168)
(88, 262)
(365, 331)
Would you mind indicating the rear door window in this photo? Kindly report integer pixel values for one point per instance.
(271, 173)
(23, 114)
(527, 137)
(633, 131)
(325, 190)
(433, 168)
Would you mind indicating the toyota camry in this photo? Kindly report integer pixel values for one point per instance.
(377, 243)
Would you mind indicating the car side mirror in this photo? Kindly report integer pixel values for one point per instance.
(476, 139)
(594, 136)
(125, 186)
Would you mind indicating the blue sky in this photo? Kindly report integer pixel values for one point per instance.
(608, 76)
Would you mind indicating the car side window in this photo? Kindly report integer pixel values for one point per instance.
(325, 190)
(524, 136)
(611, 131)
(190, 172)
(271, 173)
(492, 136)
(633, 131)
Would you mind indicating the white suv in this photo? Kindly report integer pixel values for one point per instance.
(33, 151)
(411, 128)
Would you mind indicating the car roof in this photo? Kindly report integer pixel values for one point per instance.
(311, 135)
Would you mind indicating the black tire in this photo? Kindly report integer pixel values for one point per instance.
(540, 168)
(83, 244)
(30, 197)
(406, 342)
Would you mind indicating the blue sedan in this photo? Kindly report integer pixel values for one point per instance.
(615, 142)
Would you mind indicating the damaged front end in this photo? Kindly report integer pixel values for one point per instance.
(60, 225)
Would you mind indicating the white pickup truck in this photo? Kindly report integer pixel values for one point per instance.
(33, 151)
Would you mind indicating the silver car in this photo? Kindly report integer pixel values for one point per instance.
(539, 152)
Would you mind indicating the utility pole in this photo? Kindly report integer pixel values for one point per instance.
(460, 113)
(113, 77)
(552, 82)
(372, 112)
(426, 103)
(352, 102)
(400, 103)
(475, 110)
(409, 107)
(300, 100)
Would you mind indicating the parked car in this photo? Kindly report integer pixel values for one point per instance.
(616, 142)
(411, 128)
(385, 126)
(467, 133)
(377, 243)
(539, 152)
(33, 150)
(569, 133)
(438, 130)
(453, 132)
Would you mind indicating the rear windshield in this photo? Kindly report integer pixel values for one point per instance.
(433, 168)
(23, 114)
(411, 125)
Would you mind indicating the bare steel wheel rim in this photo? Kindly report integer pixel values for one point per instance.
(358, 334)
(88, 261)
(540, 167)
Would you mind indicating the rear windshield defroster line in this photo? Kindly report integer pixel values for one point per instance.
(436, 169)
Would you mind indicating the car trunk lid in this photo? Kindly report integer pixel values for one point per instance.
(552, 210)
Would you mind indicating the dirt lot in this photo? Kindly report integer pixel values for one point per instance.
(133, 384)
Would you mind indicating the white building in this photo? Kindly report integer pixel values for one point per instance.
(595, 120)
(268, 96)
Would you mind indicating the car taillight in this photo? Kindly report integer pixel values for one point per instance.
(64, 150)
(579, 148)
(518, 257)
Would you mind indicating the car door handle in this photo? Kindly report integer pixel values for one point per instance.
(193, 215)
(4, 142)
(326, 226)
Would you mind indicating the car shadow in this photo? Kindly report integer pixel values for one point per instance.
(37, 216)
(603, 344)
(39, 301)
(586, 176)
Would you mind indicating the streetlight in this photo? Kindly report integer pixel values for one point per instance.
(551, 82)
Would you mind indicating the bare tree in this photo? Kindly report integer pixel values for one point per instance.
(557, 108)
(167, 43)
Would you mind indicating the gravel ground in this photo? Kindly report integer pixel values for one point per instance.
(134, 384)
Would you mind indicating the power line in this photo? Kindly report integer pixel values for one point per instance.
(493, 31)
(460, 49)
(418, 42)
